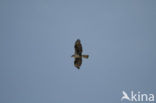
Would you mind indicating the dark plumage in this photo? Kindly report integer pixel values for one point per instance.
(78, 47)
(78, 54)
(78, 62)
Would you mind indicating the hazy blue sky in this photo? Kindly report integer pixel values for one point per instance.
(37, 40)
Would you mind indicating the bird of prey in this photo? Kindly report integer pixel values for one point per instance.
(78, 54)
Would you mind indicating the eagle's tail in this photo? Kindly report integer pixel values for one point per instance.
(85, 56)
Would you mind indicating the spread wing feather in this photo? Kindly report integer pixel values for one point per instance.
(78, 47)
(78, 62)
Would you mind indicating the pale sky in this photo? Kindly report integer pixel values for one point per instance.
(37, 40)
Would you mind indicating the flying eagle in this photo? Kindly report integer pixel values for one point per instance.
(78, 54)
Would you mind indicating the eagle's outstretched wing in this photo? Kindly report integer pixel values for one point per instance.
(78, 62)
(78, 47)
